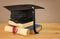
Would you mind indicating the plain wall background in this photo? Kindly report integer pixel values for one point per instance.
(51, 13)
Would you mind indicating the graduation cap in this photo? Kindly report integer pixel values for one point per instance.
(23, 13)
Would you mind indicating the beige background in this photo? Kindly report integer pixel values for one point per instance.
(51, 13)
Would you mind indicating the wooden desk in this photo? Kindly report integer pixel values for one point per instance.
(49, 31)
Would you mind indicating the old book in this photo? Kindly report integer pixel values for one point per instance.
(22, 31)
(19, 24)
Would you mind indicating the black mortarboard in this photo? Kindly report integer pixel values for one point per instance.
(22, 7)
(23, 13)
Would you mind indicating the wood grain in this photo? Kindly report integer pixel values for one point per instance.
(49, 31)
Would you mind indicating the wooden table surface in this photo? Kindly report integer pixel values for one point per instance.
(49, 31)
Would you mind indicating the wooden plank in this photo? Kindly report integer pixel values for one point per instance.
(49, 31)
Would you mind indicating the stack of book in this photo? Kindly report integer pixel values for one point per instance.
(23, 29)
